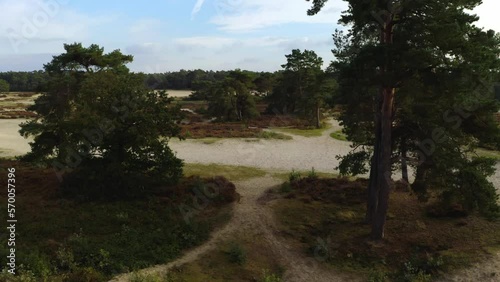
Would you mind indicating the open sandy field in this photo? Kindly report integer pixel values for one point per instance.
(11, 143)
(179, 93)
(301, 153)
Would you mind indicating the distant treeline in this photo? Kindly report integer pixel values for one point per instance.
(195, 79)
(32, 81)
(178, 80)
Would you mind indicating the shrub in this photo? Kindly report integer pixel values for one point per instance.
(378, 276)
(270, 277)
(39, 264)
(312, 174)
(85, 274)
(22, 275)
(420, 269)
(286, 187)
(294, 176)
(65, 259)
(274, 135)
(237, 254)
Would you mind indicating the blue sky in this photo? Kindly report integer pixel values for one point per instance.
(167, 35)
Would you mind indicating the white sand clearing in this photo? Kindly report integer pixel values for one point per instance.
(301, 153)
(11, 143)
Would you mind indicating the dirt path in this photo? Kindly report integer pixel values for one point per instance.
(252, 215)
(488, 271)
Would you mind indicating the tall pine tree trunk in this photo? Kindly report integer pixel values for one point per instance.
(318, 115)
(384, 165)
(372, 200)
(404, 163)
(384, 151)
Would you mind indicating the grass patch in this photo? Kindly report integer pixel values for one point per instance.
(233, 173)
(312, 132)
(222, 264)
(285, 176)
(207, 141)
(338, 135)
(237, 254)
(68, 240)
(332, 211)
(273, 135)
(488, 153)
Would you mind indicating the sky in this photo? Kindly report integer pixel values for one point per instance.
(169, 35)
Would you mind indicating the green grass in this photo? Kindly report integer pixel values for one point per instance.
(285, 175)
(237, 173)
(181, 101)
(233, 173)
(208, 140)
(261, 135)
(338, 135)
(137, 277)
(313, 132)
(488, 153)
(273, 135)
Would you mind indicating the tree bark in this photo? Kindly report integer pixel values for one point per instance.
(372, 191)
(318, 118)
(419, 185)
(404, 164)
(384, 171)
(384, 165)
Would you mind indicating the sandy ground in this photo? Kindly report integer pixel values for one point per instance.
(301, 153)
(11, 143)
(179, 93)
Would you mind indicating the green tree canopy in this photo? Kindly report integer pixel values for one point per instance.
(99, 126)
(231, 99)
(4, 86)
(416, 78)
(302, 87)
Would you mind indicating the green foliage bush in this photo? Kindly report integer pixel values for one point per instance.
(270, 277)
(274, 135)
(294, 176)
(378, 276)
(286, 187)
(237, 254)
(420, 268)
(312, 174)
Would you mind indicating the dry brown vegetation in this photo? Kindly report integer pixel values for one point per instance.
(93, 233)
(14, 104)
(333, 210)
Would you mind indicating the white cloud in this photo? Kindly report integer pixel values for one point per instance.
(197, 8)
(488, 14)
(28, 22)
(249, 15)
(144, 26)
(205, 42)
